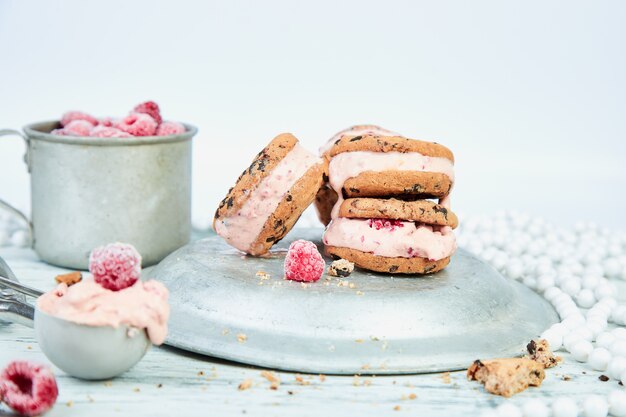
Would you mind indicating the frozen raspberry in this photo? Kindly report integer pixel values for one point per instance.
(78, 128)
(170, 128)
(115, 266)
(137, 124)
(27, 388)
(150, 108)
(102, 131)
(62, 132)
(387, 224)
(70, 116)
(303, 262)
(106, 121)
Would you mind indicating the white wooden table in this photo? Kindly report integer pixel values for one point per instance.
(172, 382)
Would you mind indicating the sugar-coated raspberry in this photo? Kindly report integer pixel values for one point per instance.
(102, 131)
(170, 128)
(62, 132)
(115, 266)
(387, 224)
(70, 116)
(150, 108)
(78, 128)
(29, 389)
(303, 262)
(106, 121)
(138, 124)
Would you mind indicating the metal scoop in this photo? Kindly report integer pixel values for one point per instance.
(87, 352)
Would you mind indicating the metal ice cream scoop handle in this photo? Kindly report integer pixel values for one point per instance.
(87, 352)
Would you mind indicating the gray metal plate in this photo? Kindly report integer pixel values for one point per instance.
(367, 323)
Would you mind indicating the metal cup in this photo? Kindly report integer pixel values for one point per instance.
(87, 192)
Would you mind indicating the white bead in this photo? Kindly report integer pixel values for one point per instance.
(571, 286)
(530, 282)
(544, 282)
(515, 269)
(560, 329)
(584, 332)
(619, 333)
(585, 298)
(618, 348)
(618, 313)
(564, 407)
(599, 359)
(581, 350)
(604, 290)
(617, 403)
(605, 340)
(508, 409)
(574, 321)
(596, 326)
(617, 366)
(590, 281)
(612, 267)
(550, 293)
(595, 406)
(554, 339)
(535, 408)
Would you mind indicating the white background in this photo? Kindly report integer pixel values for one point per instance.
(531, 96)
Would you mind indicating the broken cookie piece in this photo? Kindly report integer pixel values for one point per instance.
(507, 377)
(70, 278)
(340, 268)
(539, 351)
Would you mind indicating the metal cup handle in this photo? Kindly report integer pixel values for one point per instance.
(3, 203)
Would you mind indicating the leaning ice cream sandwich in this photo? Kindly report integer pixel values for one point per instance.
(270, 196)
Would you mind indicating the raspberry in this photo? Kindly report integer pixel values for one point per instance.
(170, 128)
(106, 121)
(150, 108)
(385, 224)
(78, 128)
(303, 262)
(27, 388)
(115, 266)
(137, 124)
(70, 116)
(102, 131)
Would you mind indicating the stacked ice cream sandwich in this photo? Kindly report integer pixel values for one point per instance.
(373, 188)
(382, 189)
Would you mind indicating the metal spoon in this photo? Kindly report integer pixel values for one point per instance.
(87, 352)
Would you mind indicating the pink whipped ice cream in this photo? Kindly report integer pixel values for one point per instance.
(143, 305)
(358, 130)
(243, 228)
(392, 239)
(348, 165)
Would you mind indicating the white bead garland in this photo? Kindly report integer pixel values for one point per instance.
(573, 270)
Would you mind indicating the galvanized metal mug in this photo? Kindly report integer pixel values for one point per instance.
(87, 192)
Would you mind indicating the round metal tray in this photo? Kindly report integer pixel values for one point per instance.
(224, 306)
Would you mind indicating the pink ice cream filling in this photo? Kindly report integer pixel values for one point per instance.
(391, 238)
(143, 306)
(242, 229)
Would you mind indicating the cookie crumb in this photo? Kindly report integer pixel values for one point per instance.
(445, 377)
(539, 351)
(70, 278)
(241, 338)
(322, 377)
(272, 378)
(506, 377)
(300, 380)
(603, 378)
(340, 268)
(246, 384)
(566, 378)
(136, 389)
(263, 275)
(396, 408)
(69, 403)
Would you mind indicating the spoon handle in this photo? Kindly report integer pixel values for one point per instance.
(22, 289)
(15, 311)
